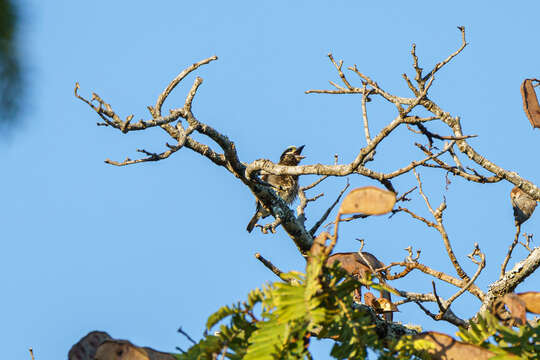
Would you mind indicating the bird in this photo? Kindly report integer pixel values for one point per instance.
(358, 265)
(523, 205)
(381, 306)
(286, 186)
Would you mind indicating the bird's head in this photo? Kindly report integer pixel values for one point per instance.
(515, 193)
(291, 156)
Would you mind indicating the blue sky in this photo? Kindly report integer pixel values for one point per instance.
(141, 250)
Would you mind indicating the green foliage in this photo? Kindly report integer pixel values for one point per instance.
(278, 321)
(409, 348)
(318, 302)
(506, 342)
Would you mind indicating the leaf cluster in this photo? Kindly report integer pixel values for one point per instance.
(506, 342)
(317, 304)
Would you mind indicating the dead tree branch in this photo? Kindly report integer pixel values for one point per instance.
(182, 125)
(510, 249)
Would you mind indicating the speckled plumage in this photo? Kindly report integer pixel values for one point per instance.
(522, 204)
(286, 186)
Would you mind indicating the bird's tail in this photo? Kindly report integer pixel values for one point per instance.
(252, 222)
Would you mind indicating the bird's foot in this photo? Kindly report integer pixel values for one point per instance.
(270, 227)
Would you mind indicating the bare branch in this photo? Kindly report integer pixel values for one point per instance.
(409, 266)
(304, 200)
(431, 135)
(186, 335)
(364, 113)
(437, 214)
(527, 244)
(448, 316)
(410, 258)
(271, 267)
(454, 123)
(338, 68)
(417, 217)
(323, 218)
(415, 164)
(227, 157)
(410, 85)
(442, 309)
(511, 279)
(334, 92)
(459, 171)
(450, 57)
(315, 183)
(445, 305)
(163, 96)
(510, 249)
(404, 196)
(110, 118)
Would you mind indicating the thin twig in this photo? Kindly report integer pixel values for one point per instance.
(186, 335)
(459, 172)
(323, 218)
(442, 309)
(481, 264)
(271, 267)
(165, 93)
(527, 245)
(450, 57)
(510, 249)
(315, 183)
(417, 217)
(338, 68)
(404, 196)
(438, 215)
(224, 352)
(410, 258)
(364, 114)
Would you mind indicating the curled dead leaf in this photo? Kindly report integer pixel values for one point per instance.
(368, 200)
(516, 306)
(446, 347)
(125, 350)
(531, 300)
(530, 102)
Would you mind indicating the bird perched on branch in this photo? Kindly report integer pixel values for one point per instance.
(358, 265)
(286, 186)
(523, 205)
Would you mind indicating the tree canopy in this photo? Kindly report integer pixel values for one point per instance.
(321, 301)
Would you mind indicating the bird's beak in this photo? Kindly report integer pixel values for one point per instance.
(298, 152)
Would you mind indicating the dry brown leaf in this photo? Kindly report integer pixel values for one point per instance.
(447, 348)
(116, 350)
(124, 350)
(360, 265)
(531, 300)
(516, 306)
(368, 200)
(86, 348)
(355, 263)
(530, 103)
